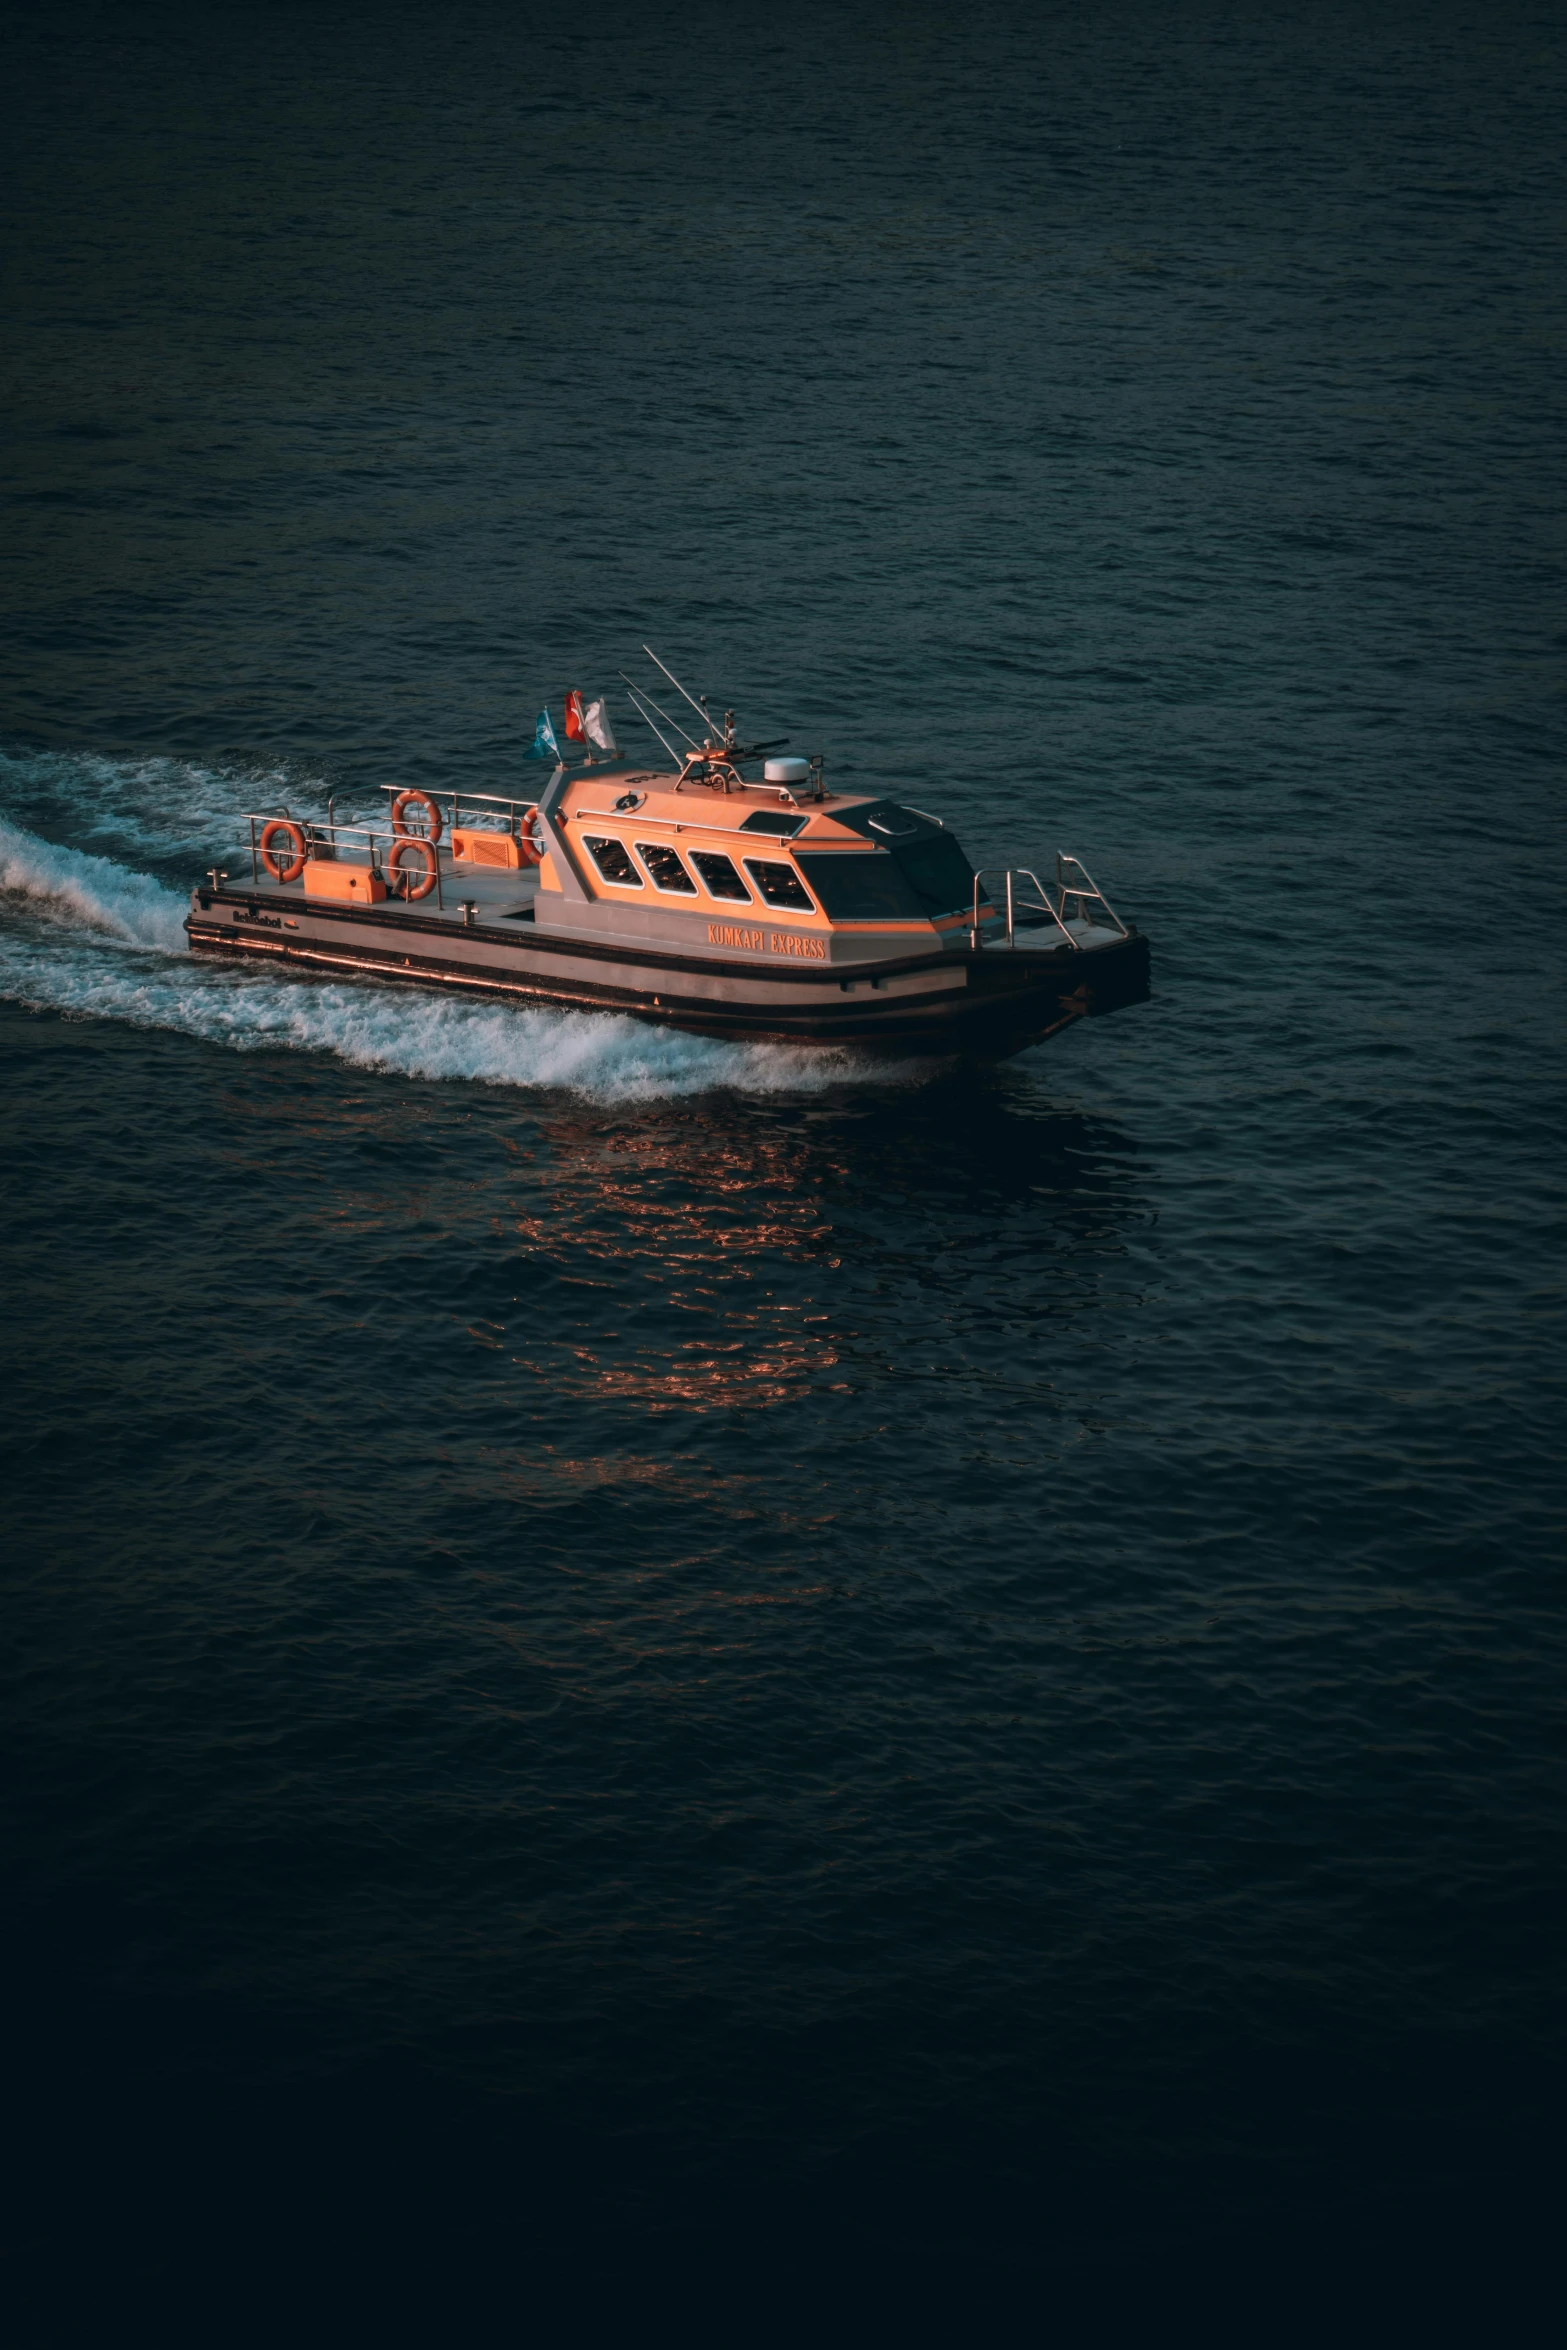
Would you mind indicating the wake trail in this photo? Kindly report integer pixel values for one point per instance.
(95, 892)
(165, 810)
(86, 936)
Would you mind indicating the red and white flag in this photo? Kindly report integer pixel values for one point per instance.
(588, 722)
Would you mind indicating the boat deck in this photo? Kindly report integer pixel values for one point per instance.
(512, 897)
(496, 895)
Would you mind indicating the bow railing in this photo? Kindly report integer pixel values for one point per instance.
(1024, 902)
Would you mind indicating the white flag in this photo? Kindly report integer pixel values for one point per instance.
(596, 719)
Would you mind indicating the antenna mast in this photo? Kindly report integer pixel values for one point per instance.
(691, 698)
(642, 691)
(652, 729)
(638, 699)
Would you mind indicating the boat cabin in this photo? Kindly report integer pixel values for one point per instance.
(753, 868)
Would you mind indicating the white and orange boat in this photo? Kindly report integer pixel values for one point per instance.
(707, 895)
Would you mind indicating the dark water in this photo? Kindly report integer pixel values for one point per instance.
(638, 1666)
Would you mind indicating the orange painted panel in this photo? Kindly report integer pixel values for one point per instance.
(487, 848)
(350, 882)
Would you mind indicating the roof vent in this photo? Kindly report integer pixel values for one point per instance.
(791, 771)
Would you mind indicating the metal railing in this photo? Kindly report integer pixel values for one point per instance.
(452, 804)
(369, 844)
(1075, 886)
(1082, 891)
(372, 844)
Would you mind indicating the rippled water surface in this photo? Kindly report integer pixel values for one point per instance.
(619, 1641)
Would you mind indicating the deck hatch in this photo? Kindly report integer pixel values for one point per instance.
(782, 826)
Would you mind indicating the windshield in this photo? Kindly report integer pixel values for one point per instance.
(855, 888)
(927, 855)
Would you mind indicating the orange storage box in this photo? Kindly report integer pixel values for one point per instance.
(354, 883)
(487, 848)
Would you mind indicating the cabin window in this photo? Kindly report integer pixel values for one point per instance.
(665, 866)
(780, 885)
(861, 889)
(613, 860)
(765, 820)
(719, 875)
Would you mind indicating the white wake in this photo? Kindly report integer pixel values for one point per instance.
(86, 936)
(74, 886)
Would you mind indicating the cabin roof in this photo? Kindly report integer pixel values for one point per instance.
(695, 806)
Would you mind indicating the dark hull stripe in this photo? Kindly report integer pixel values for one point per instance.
(1010, 1009)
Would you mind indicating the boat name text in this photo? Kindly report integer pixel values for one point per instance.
(758, 942)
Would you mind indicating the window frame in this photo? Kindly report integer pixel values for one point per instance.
(668, 849)
(593, 842)
(817, 872)
(746, 897)
(795, 875)
(888, 818)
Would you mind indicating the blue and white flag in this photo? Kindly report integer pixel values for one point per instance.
(544, 744)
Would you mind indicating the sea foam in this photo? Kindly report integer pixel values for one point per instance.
(75, 886)
(83, 935)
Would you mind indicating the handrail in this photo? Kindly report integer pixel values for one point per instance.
(635, 817)
(974, 922)
(1089, 890)
(1011, 874)
(458, 800)
(1082, 892)
(1054, 912)
(519, 808)
(372, 844)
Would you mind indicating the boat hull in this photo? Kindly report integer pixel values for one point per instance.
(985, 1004)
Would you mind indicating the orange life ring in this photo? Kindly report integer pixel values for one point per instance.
(530, 848)
(403, 884)
(416, 799)
(295, 834)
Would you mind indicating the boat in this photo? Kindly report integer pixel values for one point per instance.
(726, 892)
